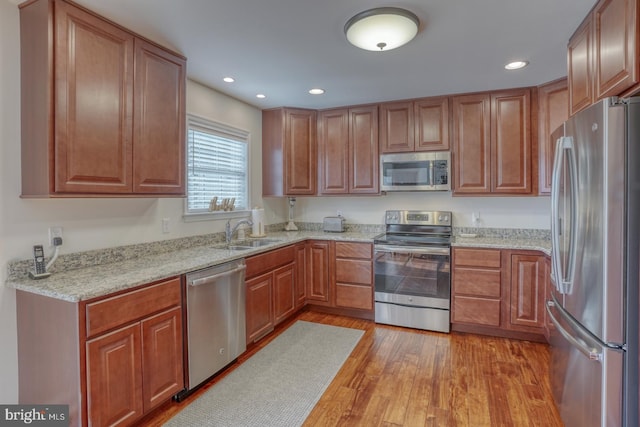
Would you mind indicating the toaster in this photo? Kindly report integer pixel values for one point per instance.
(333, 224)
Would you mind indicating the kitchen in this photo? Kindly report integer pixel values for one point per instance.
(94, 224)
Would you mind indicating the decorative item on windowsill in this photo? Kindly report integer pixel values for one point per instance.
(290, 225)
(226, 204)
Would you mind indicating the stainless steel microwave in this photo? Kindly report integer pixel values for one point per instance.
(427, 171)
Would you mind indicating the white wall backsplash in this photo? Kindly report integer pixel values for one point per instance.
(495, 212)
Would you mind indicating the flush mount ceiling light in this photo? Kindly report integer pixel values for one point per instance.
(382, 28)
(229, 79)
(316, 91)
(261, 96)
(516, 65)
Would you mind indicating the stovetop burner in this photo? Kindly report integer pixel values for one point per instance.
(416, 228)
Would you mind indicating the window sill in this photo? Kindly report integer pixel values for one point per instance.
(213, 216)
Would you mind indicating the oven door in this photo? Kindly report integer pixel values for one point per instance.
(413, 276)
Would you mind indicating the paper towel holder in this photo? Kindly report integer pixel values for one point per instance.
(290, 225)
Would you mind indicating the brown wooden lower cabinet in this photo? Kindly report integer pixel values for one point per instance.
(114, 377)
(318, 272)
(137, 367)
(354, 275)
(259, 302)
(111, 359)
(301, 274)
(144, 356)
(499, 292)
(271, 290)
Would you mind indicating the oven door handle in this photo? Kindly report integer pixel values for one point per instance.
(412, 250)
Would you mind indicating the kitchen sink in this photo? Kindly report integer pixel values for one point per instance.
(243, 245)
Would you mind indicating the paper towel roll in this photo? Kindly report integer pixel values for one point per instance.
(257, 217)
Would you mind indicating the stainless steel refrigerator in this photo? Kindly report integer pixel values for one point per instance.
(595, 236)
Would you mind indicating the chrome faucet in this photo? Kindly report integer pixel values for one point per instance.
(228, 231)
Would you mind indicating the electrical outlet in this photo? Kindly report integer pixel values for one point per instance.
(165, 225)
(55, 231)
(475, 218)
(339, 212)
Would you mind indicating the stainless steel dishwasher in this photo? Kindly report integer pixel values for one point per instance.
(216, 333)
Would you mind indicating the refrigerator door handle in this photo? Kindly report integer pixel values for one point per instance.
(564, 279)
(573, 201)
(590, 351)
(555, 218)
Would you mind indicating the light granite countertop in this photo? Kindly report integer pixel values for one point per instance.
(99, 280)
(541, 245)
(85, 283)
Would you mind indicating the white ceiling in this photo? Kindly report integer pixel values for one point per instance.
(283, 48)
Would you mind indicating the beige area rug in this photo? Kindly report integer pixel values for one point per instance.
(279, 385)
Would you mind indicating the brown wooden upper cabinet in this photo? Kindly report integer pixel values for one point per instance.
(289, 152)
(492, 143)
(419, 125)
(601, 54)
(348, 151)
(103, 110)
(553, 111)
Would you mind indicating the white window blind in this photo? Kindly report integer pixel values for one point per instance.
(217, 165)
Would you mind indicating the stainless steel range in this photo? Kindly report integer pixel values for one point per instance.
(412, 274)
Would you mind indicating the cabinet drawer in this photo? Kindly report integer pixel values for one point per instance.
(353, 250)
(119, 310)
(262, 263)
(476, 310)
(477, 257)
(354, 296)
(353, 271)
(476, 282)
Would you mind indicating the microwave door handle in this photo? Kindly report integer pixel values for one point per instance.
(432, 165)
(555, 215)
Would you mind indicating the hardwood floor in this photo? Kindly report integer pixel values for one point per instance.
(405, 377)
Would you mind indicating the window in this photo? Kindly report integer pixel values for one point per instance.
(217, 165)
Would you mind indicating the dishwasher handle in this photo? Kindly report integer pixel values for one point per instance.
(210, 279)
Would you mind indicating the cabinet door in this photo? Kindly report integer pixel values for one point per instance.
(527, 290)
(511, 142)
(363, 150)
(283, 293)
(259, 299)
(615, 38)
(471, 144)
(396, 127)
(333, 151)
(114, 378)
(318, 272)
(93, 104)
(162, 366)
(553, 111)
(159, 121)
(301, 274)
(579, 55)
(432, 124)
(300, 152)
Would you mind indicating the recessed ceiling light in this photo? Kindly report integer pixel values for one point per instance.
(229, 79)
(261, 96)
(516, 65)
(316, 91)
